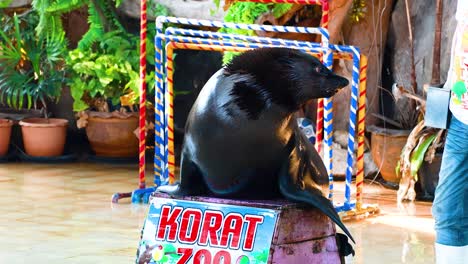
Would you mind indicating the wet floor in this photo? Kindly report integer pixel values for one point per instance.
(63, 214)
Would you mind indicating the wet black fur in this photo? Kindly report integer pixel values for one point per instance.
(249, 98)
(276, 73)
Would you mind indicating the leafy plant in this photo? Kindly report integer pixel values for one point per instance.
(415, 154)
(247, 13)
(5, 3)
(105, 65)
(32, 64)
(108, 71)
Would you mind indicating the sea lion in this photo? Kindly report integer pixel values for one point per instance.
(242, 139)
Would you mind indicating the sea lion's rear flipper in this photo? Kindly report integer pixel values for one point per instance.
(191, 180)
(296, 183)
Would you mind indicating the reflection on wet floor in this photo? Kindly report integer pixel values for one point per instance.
(62, 214)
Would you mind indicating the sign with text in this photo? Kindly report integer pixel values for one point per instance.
(180, 232)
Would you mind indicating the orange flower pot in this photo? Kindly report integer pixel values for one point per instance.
(5, 134)
(44, 137)
(386, 147)
(113, 137)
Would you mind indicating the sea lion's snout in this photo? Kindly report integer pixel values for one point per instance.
(341, 81)
(332, 83)
(317, 80)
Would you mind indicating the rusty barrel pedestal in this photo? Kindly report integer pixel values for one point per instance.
(299, 234)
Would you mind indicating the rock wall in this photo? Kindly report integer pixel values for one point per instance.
(199, 9)
(370, 35)
(18, 3)
(423, 19)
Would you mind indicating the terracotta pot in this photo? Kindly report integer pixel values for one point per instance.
(5, 134)
(386, 147)
(113, 137)
(44, 137)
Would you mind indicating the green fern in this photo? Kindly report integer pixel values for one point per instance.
(51, 28)
(65, 6)
(101, 19)
(95, 31)
(110, 16)
(247, 13)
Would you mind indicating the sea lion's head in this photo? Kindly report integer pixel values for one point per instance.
(312, 79)
(288, 77)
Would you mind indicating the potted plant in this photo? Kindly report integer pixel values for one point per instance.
(421, 156)
(32, 73)
(104, 85)
(104, 79)
(410, 153)
(420, 160)
(387, 142)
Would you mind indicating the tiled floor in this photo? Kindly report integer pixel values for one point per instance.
(63, 214)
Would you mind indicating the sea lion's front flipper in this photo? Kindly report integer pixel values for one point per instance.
(296, 183)
(191, 180)
(307, 153)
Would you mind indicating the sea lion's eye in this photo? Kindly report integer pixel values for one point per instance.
(319, 70)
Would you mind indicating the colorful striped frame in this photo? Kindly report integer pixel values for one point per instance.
(318, 48)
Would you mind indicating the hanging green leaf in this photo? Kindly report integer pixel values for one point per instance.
(417, 156)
